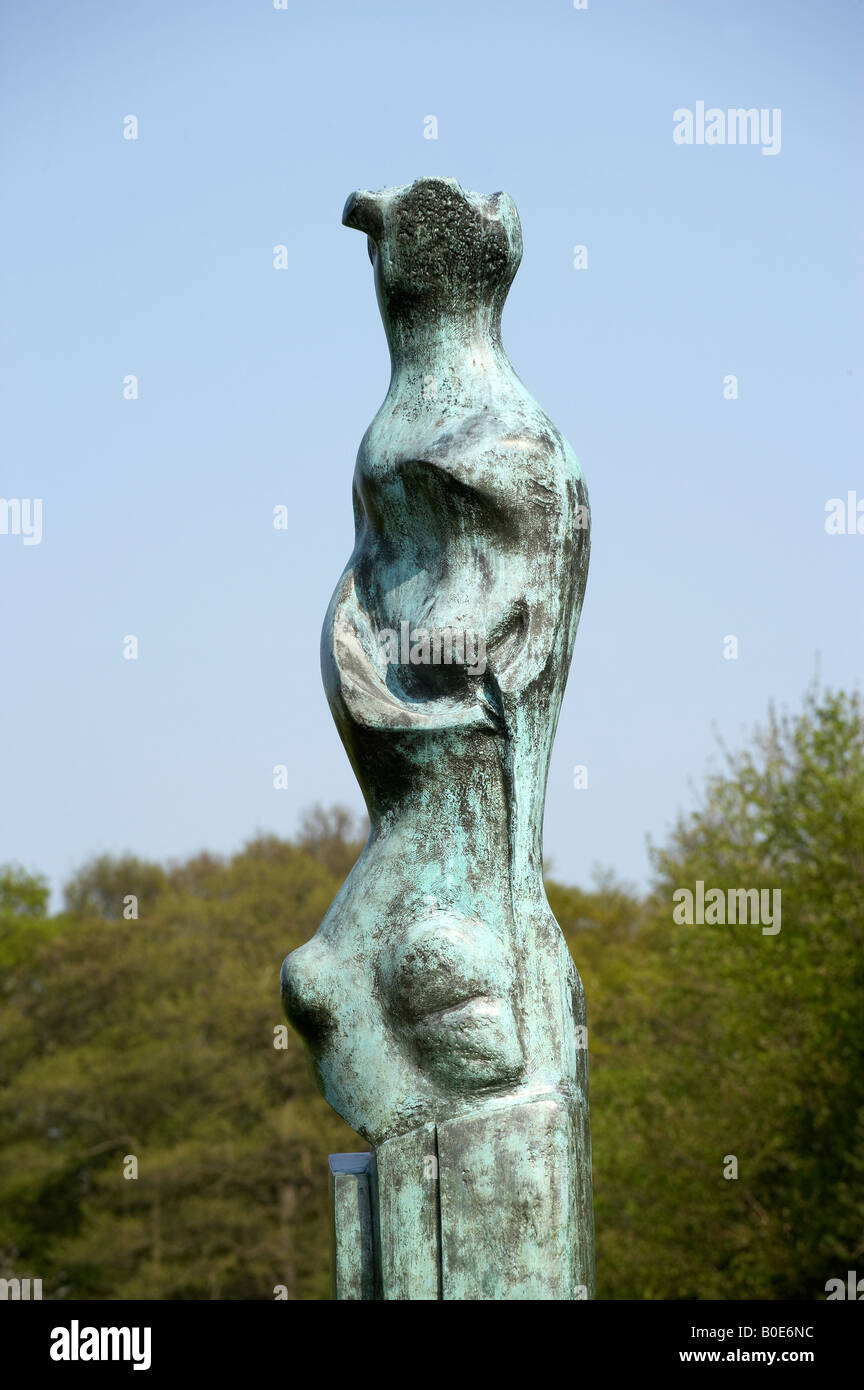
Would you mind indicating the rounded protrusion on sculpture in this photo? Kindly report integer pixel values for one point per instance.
(448, 989)
(306, 1004)
(362, 211)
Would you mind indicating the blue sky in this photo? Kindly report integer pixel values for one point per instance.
(154, 257)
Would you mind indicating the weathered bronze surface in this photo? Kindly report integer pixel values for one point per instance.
(438, 999)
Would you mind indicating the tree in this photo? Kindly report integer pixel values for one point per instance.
(22, 894)
(720, 1042)
(102, 886)
(24, 923)
(160, 1040)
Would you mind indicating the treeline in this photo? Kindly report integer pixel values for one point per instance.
(141, 1034)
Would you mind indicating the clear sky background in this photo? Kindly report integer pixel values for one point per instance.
(155, 257)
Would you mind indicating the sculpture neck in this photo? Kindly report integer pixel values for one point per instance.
(423, 347)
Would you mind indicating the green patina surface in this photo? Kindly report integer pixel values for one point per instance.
(438, 999)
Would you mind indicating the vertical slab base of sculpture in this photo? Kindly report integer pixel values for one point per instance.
(487, 1207)
(354, 1263)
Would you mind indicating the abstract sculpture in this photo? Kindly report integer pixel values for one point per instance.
(438, 999)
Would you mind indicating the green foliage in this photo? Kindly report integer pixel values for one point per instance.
(101, 886)
(715, 1041)
(23, 922)
(154, 1038)
(22, 894)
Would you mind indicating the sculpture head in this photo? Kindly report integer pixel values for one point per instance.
(436, 248)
